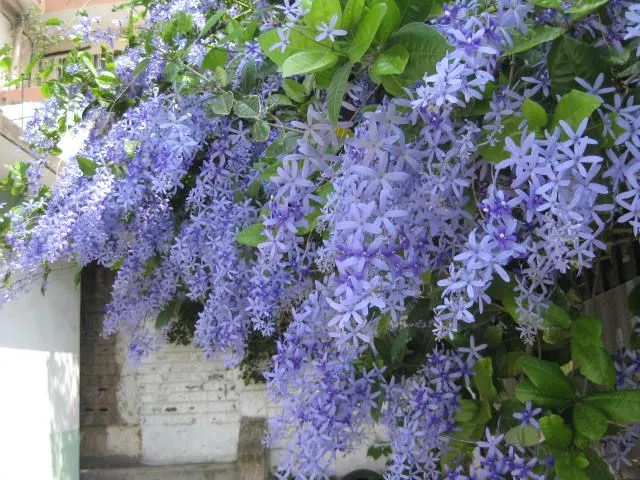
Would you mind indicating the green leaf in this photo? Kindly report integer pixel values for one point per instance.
(570, 58)
(588, 353)
(216, 57)
(483, 379)
(390, 22)
(496, 153)
(589, 421)
(130, 147)
(570, 466)
(587, 330)
(414, 10)
(622, 406)
(557, 4)
(106, 79)
(222, 104)
(366, 32)
(260, 131)
(633, 300)
(285, 143)
(513, 363)
(87, 166)
(324, 11)
(248, 107)
(393, 85)
(308, 62)
(278, 100)
(352, 13)
(594, 362)
(211, 22)
(574, 107)
(392, 61)
(294, 90)
(556, 434)
(53, 22)
(165, 316)
(299, 42)
(534, 113)
(337, 89)
(221, 76)
(426, 47)
(548, 378)
(556, 317)
(525, 435)
(251, 236)
(534, 37)
(399, 346)
(472, 418)
(597, 469)
(581, 8)
(527, 391)
(248, 77)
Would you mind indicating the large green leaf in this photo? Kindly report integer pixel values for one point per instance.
(527, 391)
(366, 32)
(251, 236)
(414, 10)
(580, 8)
(534, 113)
(390, 22)
(574, 107)
(595, 363)
(299, 42)
(622, 406)
(324, 11)
(524, 435)
(426, 47)
(308, 62)
(260, 131)
(222, 104)
(570, 466)
(352, 13)
(472, 418)
(483, 379)
(570, 58)
(496, 153)
(588, 353)
(248, 107)
(557, 4)
(216, 57)
(87, 166)
(337, 89)
(556, 434)
(165, 316)
(392, 61)
(548, 378)
(399, 346)
(589, 421)
(587, 330)
(534, 37)
(556, 317)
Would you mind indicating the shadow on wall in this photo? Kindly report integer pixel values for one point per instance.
(63, 398)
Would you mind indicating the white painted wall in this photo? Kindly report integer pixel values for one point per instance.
(39, 374)
(5, 30)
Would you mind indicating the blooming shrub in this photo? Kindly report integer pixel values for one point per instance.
(401, 196)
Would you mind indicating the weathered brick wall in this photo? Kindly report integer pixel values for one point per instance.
(189, 408)
(109, 421)
(175, 408)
